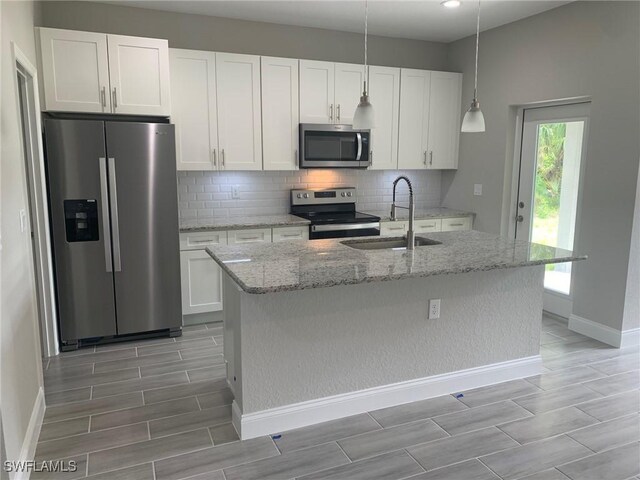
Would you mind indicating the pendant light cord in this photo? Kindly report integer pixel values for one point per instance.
(366, 32)
(475, 86)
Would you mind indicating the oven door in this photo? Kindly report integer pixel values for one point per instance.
(343, 230)
(333, 146)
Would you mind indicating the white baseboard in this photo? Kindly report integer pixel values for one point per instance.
(630, 338)
(595, 330)
(30, 442)
(303, 414)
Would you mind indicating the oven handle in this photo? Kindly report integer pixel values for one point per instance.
(359, 136)
(344, 226)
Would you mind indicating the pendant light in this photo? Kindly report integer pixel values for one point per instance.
(364, 118)
(473, 120)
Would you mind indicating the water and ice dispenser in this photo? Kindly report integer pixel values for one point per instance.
(81, 220)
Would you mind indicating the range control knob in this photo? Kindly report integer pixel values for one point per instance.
(306, 195)
(299, 195)
(343, 194)
(349, 194)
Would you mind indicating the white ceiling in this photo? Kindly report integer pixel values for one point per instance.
(415, 19)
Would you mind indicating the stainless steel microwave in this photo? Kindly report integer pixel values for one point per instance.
(333, 146)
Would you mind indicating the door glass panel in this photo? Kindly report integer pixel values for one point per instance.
(555, 198)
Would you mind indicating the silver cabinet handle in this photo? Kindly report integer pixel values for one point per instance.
(331, 112)
(222, 155)
(295, 157)
(359, 154)
(430, 157)
(338, 113)
(425, 157)
(457, 224)
(104, 204)
(215, 158)
(103, 95)
(113, 197)
(208, 240)
(115, 98)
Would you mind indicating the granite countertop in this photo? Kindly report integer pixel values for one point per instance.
(239, 223)
(299, 265)
(421, 213)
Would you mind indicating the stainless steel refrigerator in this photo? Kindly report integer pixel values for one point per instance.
(114, 219)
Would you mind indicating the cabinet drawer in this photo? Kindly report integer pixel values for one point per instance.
(393, 227)
(428, 225)
(201, 240)
(254, 235)
(282, 234)
(451, 224)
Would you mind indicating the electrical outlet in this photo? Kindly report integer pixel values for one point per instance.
(434, 309)
(477, 189)
(235, 191)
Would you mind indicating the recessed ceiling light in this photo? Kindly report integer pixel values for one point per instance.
(451, 3)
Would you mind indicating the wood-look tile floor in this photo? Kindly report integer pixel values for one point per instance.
(160, 410)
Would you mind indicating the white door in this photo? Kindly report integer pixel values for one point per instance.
(348, 89)
(75, 71)
(279, 113)
(139, 74)
(193, 108)
(384, 94)
(201, 282)
(317, 82)
(444, 120)
(551, 162)
(414, 118)
(239, 119)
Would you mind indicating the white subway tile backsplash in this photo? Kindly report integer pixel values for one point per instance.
(208, 194)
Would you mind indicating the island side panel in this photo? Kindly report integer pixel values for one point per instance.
(310, 344)
(231, 330)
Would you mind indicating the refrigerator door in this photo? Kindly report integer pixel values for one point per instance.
(144, 218)
(77, 176)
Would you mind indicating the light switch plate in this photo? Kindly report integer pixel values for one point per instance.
(477, 189)
(23, 220)
(235, 191)
(434, 308)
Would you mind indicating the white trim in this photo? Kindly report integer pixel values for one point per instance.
(557, 303)
(28, 450)
(38, 187)
(311, 412)
(630, 338)
(596, 330)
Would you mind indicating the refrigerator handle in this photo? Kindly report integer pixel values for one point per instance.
(104, 203)
(113, 197)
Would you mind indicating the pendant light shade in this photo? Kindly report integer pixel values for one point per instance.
(473, 120)
(364, 118)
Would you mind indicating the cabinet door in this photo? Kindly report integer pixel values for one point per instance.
(139, 74)
(384, 93)
(279, 113)
(348, 89)
(75, 71)
(444, 119)
(254, 235)
(193, 108)
(414, 118)
(454, 224)
(395, 227)
(201, 282)
(239, 119)
(284, 234)
(428, 225)
(317, 84)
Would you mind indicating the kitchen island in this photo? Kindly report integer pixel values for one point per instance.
(319, 330)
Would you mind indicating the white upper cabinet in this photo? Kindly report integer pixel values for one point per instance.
(194, 111)
(239, 118)
(75, 71)
(317, 92)
(444, 120)
(348, 89)
(414, 118)
(139, 74)
(279, 113)
(100, 73)
(384, 94)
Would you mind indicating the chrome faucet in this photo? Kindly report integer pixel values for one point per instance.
(410, 232)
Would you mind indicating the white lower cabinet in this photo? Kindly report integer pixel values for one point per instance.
(400, 227)
(253, 235)
(452, 224)
(397, 227)
(431, 225)
(283, 234)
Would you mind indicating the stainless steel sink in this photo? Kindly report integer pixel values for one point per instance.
(393, 243)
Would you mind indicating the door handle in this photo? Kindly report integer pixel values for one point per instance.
(103, 96)
(295, 157)
(104, 204)
(115, 98)
(338, 113)
(222, 154)
(113, 197)
(359, 154)
(215, 158)
(331, 112)
(425, 157)
(430, 157)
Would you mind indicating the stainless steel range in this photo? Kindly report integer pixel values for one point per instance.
(333, 214)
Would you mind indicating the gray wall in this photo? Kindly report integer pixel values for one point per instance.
(584, 48)
(239, 36)
(20, 362)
